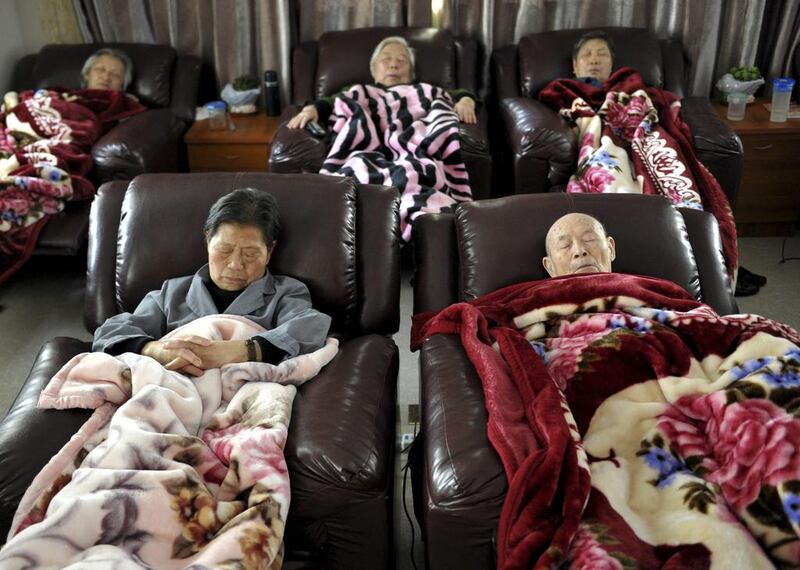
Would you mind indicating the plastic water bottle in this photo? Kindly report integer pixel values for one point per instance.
(273, 96)
(781, 94)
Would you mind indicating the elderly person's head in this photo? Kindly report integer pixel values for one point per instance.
(241, 232)
(107, 69)
(578, 243)
(392, 62)
(593, 56)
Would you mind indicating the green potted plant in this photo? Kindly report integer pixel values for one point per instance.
(241, 94)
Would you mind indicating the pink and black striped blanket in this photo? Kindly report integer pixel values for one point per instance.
(404, 136)
(631, 139)
(46, 139)
(170, 471)
(637, 428)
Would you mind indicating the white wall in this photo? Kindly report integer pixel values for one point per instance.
(27, 25)
(12, 47)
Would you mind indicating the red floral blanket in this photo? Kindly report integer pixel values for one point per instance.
(46, 139)
(633, 140)
(637, 428)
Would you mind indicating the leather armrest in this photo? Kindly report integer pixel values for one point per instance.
(534, 131)
(717, 145)
(148, 142)
(435, 262)
(99, 302)
(185, 86)
(464, 484)
(295, 150)
(340, 454)
(29, 437)
(715, 287)
(475, 151)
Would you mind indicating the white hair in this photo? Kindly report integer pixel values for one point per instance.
(120, 55)
(392, 40)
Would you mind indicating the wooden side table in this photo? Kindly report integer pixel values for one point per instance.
(768, 202)
(245, 148)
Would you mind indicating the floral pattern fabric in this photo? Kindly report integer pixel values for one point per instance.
(680, 446)
(174, 472)
(45, 156)
(631, 139)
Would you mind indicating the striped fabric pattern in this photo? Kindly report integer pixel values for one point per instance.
(405, 136)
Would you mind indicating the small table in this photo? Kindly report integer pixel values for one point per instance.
(245, 148)
(768, 201)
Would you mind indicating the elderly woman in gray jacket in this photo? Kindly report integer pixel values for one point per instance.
(241, 234)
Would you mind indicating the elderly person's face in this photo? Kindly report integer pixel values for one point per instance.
(393, 66)
(108, 72)
(237, 256)
(594, 60)
(576, 243)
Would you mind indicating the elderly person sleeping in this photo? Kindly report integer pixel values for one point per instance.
(45, 150)
(107, 68)
(631, 138)
(398, 132)
(241, 235)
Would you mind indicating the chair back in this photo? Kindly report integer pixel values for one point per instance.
(341, 58)
(545, 56)
(490, 244)
(339, 238)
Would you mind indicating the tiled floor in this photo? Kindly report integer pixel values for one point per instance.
(45, 300)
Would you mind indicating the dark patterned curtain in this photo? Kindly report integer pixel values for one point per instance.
(716, 34)
(318, 16)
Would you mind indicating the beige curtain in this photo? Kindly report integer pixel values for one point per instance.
(318, 16)
(716, 33)
(233, 37)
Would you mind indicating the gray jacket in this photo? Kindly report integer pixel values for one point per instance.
(280, 304)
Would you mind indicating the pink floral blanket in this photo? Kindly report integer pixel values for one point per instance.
(637, 428)
(631, 139)
(46, 139)
(170, 471)
(405, 136)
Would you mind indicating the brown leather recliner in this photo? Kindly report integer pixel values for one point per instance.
(339, 59)
(339, 238)
(538, 149)
(459, 481)
(164, 81)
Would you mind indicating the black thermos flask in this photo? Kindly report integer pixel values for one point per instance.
(273, 96)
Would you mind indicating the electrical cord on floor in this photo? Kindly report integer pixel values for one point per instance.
(406, 468)
(783, 252)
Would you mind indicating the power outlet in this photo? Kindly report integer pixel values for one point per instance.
(413, 413)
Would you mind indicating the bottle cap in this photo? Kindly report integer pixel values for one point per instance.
(216, 105)
(782, 84)
(270, 75)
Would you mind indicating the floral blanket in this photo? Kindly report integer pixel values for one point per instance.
(170, 471)
(633, 140)
(46, 139)
(405, 136)
(637, 428)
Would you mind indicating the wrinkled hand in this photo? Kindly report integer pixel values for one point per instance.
(465, 109)
(306, 114)
(220, 352)
(181, 355)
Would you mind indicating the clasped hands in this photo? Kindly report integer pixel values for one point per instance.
(194, 355)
